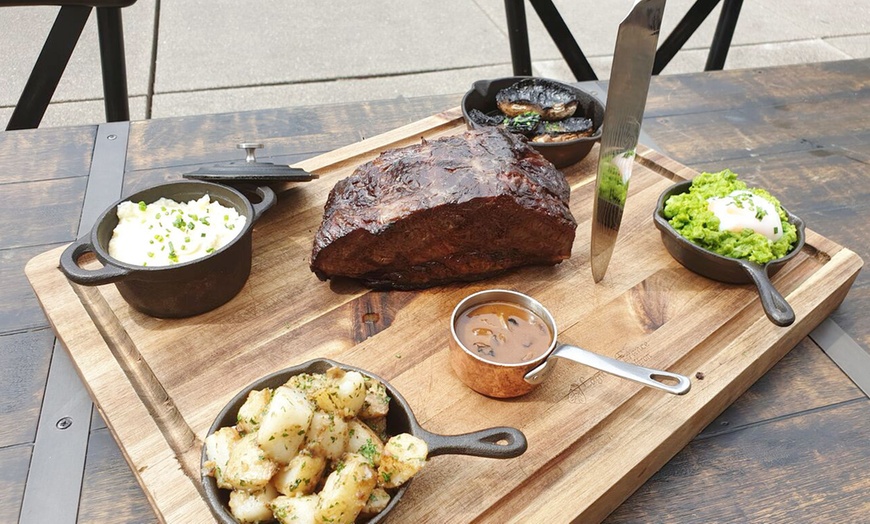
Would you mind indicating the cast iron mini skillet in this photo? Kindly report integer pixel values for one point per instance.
(481, 96)
(726, 269)
(400, 419)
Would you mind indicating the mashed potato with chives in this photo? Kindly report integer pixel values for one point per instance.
(166, 232)
(721, 214)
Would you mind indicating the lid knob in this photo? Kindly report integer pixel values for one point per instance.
(250, 148)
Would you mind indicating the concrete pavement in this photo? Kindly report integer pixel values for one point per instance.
(187, 57)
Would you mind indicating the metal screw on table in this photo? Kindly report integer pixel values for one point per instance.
(64, 423)
(250, 151)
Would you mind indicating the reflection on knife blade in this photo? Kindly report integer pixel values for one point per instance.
(633, 60)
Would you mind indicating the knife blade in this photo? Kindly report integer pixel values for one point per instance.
(630, 75)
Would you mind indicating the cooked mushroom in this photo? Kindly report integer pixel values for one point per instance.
(548, 99)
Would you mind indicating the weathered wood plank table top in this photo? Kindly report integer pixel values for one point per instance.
(792, 448)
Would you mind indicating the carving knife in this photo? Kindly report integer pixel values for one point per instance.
(633, 59)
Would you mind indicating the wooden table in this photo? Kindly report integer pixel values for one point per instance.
(790, 449)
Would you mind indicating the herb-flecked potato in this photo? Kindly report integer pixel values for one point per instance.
(403, 457)
(282, 430)
(252, 411)
(377, 401)
(344, 394)
(301, 475)
(218, 447)
(327, 435)
(346, 490)
(252, 507)
(248, 469)
(376, 503)
(295, 510)
(363, 440)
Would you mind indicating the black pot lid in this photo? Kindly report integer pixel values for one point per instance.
(249, 170)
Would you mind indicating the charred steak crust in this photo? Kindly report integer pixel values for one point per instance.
(457, 208)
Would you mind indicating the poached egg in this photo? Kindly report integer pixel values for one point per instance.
(743, 209)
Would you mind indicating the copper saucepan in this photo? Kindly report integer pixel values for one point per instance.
(495, 379)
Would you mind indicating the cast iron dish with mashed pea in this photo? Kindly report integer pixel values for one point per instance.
(719, 228)
(720, 213)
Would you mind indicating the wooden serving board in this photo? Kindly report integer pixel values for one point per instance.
(593, 439)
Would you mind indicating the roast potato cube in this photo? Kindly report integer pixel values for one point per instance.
(252, 507)
(377, 401)
(282, 430)
(248, 468)
(308, 383)
(218, 446)
(363, 440)
(295, 510)
(301, 475)
(252, 411)
(327, 435)
(346, 490)
(343, 394)
(404, 455)
(376, 503)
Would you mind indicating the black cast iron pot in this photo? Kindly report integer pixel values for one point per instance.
(499, 442)
(726, 269)
(180, 290)
(481, 96)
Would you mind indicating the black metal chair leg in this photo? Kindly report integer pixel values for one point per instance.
(518, 36)
(52, 61)
(690, 23)
(113, 62)
(724, 33)
(564, 40)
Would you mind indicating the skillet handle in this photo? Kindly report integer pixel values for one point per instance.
(484, 443)
(775, 306)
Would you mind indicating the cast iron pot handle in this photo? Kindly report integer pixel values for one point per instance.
(87, 277)
(266, 194)
(268, 200)
(775, 306)
(482, 443)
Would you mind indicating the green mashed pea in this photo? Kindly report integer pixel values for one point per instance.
(689, 214)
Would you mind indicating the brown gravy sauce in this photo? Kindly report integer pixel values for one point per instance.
(503, 332)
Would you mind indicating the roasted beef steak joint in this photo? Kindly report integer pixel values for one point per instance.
(457, 208)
